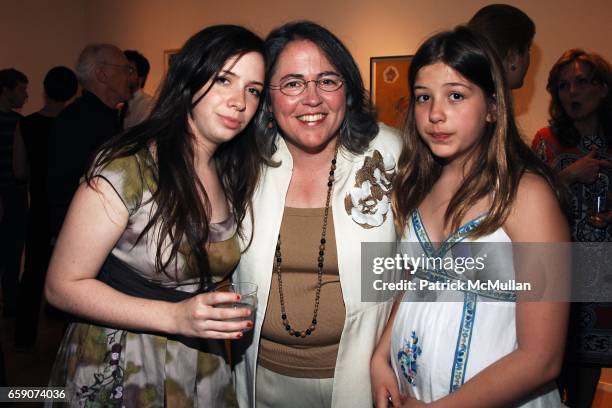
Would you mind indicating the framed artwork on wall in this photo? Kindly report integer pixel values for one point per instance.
(389, 88)
(168, 56)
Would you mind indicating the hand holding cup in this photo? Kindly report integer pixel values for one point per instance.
(222, 314)
(248, 299)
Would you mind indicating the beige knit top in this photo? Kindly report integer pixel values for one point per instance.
(313, 356)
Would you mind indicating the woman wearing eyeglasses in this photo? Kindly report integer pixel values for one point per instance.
(324, 191)
(578, 145)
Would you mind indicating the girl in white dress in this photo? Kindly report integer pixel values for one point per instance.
(466, 174)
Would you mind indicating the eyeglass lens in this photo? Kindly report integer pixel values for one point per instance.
(296, 86)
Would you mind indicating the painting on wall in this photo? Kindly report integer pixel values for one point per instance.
(168, 57)
(389, 88)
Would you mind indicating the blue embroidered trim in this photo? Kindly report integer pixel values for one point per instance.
(462, 350)
(443, 275)
(460, 234)
(448, 243)
(421, 233)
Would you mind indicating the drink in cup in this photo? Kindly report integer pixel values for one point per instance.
(248, 298)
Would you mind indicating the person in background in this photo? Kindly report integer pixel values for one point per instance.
(578, 146)
(153, 229)
(139, 106)
(324, 191)
(2, 369)
(89, 121)
(466, 176)
(510, 31)
(30, 155)
(13, 193)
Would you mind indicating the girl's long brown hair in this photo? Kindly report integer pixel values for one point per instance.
(501, 157)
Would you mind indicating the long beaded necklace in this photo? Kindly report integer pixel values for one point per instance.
(320, 262)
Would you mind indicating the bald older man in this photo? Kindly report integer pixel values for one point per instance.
(84, 125)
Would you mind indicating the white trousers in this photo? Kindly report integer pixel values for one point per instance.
(280, 391)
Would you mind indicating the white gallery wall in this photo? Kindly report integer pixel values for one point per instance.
(39, 34)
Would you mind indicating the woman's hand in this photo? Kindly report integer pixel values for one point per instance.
(385, 390)
(384, 385)
(198, 317)
(585, 169)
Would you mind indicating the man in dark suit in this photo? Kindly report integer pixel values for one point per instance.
(84, 125)
(13, 193)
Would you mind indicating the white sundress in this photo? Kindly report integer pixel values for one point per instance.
(441, 339)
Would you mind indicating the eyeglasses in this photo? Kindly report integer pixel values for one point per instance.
(127, 68)
(295, 86)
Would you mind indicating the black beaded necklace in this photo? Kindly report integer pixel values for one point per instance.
(320, 262)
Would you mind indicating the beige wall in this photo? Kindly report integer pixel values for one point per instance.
(368, 27)
(38, 35)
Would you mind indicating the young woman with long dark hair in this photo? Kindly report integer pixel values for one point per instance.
(153, 228)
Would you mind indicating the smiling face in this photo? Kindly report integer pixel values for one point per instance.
(308, 121)
(579, 95)
(451, 112)
(230, 103)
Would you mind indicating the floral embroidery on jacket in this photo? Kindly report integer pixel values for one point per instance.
(368, 202)
(407, 358)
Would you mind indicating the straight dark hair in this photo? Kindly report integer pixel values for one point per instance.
(359, 125)
(500, 159)
(141, 62)
(10, 77)
(505, 26)
(60, 84)
(181, 214)
(562, 125)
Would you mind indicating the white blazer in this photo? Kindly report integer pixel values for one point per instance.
(364, 321)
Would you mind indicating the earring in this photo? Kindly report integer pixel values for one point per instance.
(512, 67)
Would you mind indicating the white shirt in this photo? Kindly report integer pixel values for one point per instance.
(139, 108)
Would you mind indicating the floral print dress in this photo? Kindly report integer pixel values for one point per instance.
(590, 326)
(104, 366)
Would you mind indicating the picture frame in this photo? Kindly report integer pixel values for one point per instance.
(389, 88)
(168, 56)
